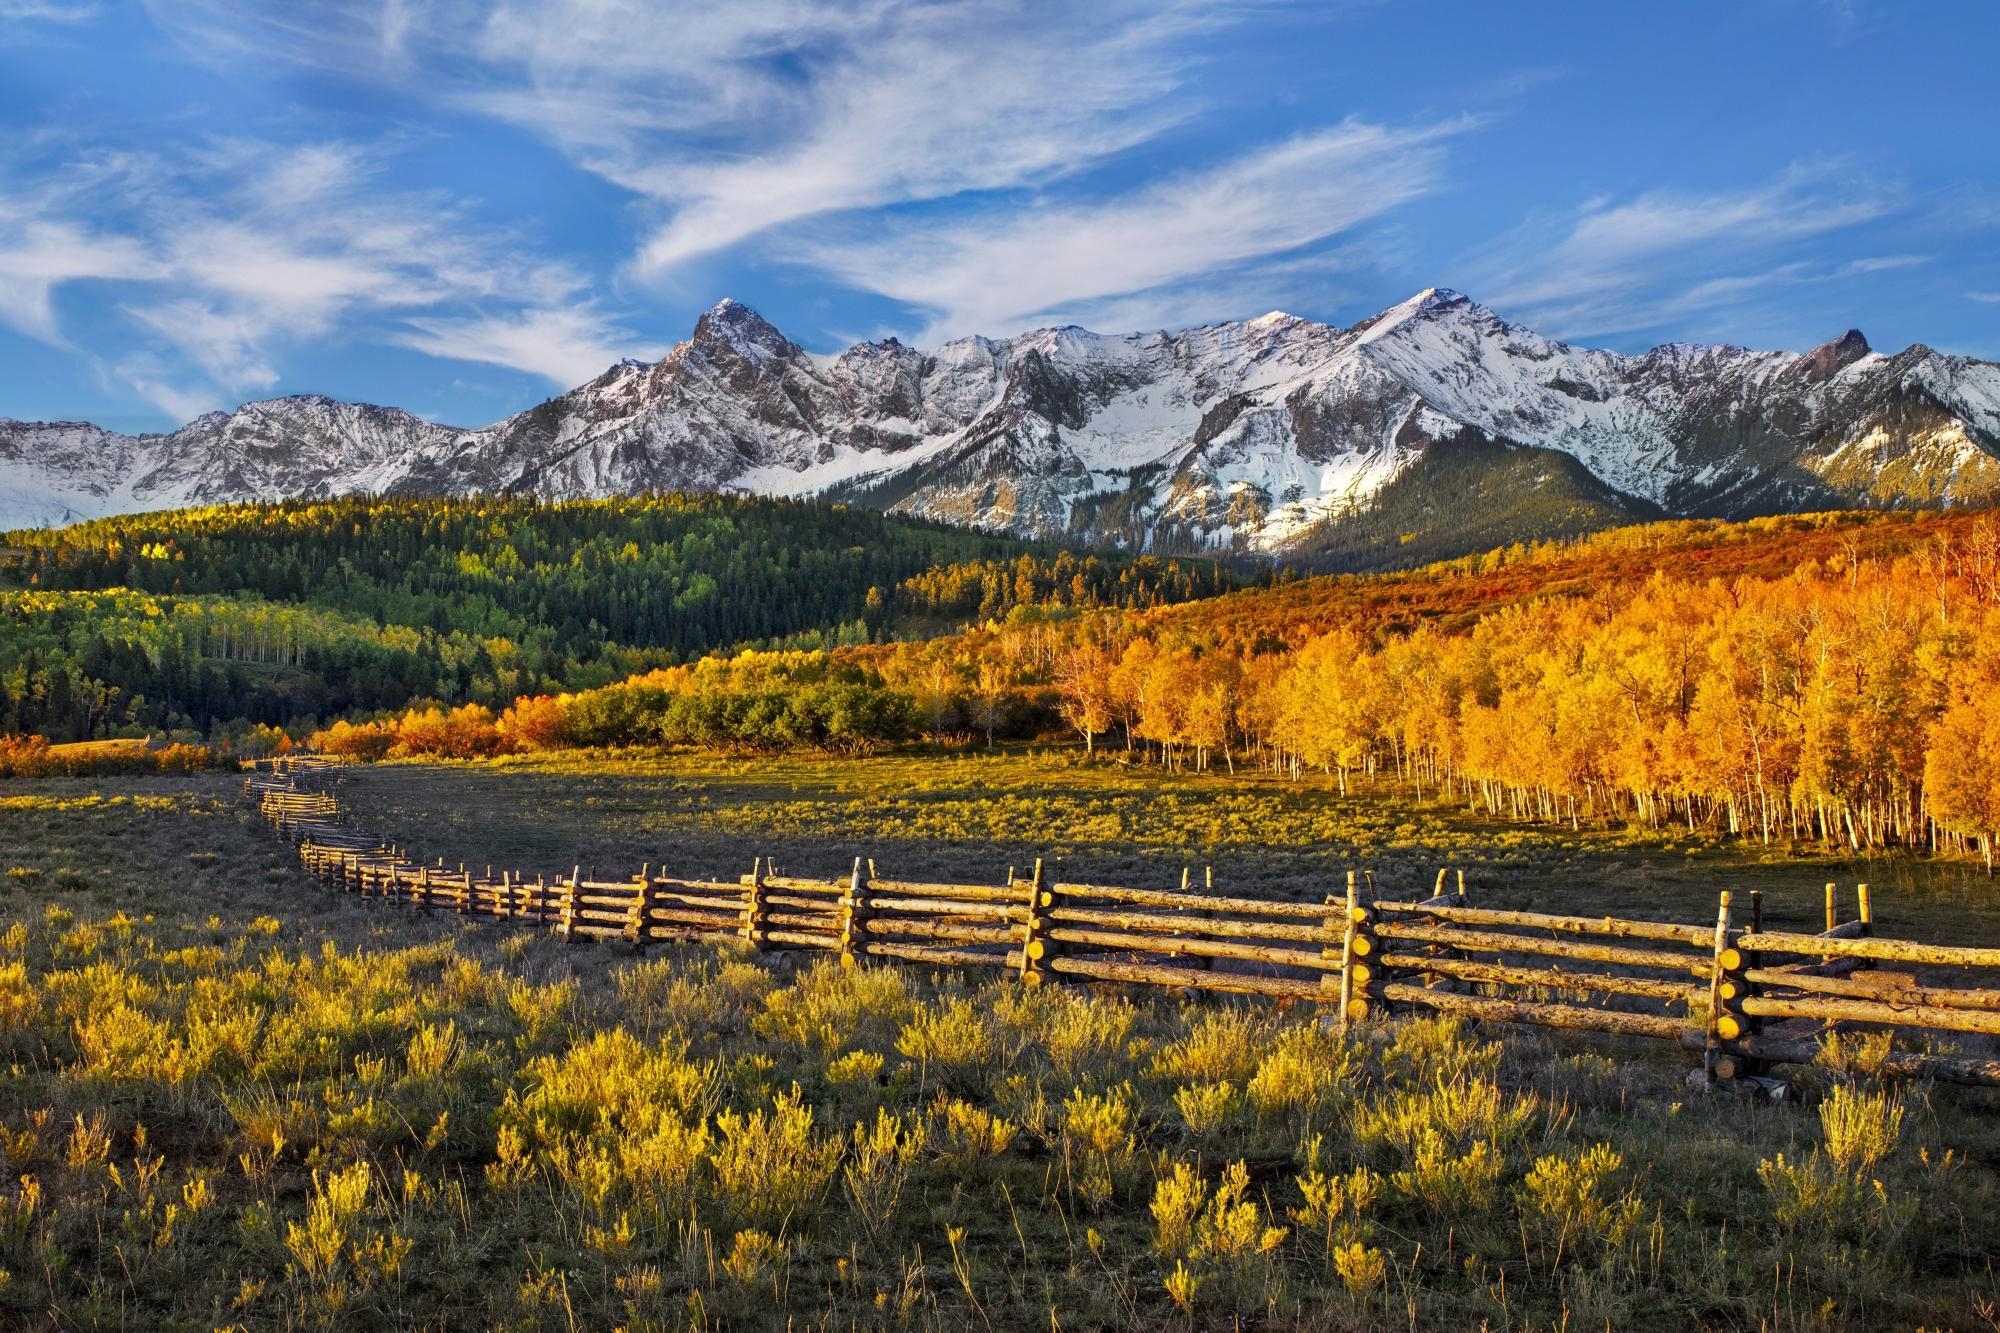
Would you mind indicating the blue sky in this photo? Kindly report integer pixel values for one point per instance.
(463, 207)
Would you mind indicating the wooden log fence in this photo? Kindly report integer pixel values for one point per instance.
(1742, 997)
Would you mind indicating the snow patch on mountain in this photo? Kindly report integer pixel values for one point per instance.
(1249, 435)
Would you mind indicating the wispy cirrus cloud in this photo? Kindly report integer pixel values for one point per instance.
(565, 346)
(166, 388)
(734, 118)
(40, 253)
(735, 121)
(1617, 266)
(234, 250)
(1159, 249)
(1986, 298)
(48, 11)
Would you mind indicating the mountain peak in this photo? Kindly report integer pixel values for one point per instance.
(1429, 303)
(731, 325)
(1829, 359)
(1433, 299)
(1238, 440)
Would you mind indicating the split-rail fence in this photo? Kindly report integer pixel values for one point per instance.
(1740, 996)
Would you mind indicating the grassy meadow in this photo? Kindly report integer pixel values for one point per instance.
(235, 1101)
(970, 815)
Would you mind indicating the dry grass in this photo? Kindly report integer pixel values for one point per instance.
(235, 1101)
(971, 816)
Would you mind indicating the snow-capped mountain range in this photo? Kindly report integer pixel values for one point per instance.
(1265, 435)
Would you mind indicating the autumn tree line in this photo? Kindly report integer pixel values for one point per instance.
(1852, 700)
(1828, 678)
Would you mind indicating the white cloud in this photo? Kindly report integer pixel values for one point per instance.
(51, 11)
(565, 346)
(227, 345)
(993, 271)
(736, 117)
(153, 381)
(785, 121)
(1616, 267)
(1879, 264)
(39, 253)
(1990, 298)
(236, 250)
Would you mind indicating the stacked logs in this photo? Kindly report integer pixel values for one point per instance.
(1742, 996)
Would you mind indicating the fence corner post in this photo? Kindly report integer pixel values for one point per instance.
(566, 914)
(1036, 947)
(751, 929)
(1737, 988)
(854, 917)
(642, 902)
(1357, 945)
(1722, 1024)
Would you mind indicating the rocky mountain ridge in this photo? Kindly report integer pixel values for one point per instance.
(1274, 435)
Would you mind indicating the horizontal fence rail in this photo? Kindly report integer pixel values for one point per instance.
(1743, 997)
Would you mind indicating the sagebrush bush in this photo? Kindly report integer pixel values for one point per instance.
(1221, 1045)
(1334, 1205)
(772, 1167)
(1096, 1143)
(1303, 1072)
(1861, 1128)
(1573, 1200)
(953, 1043)
(1207, 1107)
(970, 1133)
(215, 1120)
(832, 1009)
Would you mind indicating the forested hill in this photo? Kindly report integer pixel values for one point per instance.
(308, 609)
(684, 573)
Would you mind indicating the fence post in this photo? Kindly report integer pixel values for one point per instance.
(853, 917)
(635, 915)
(752, 929)
(1352, 950)
(566, 914)
(1722, 1026)
(465, 891)
(1366, 951)
(1036, 947)
(1736, 988)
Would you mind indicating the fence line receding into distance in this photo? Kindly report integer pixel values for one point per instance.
(1742, 996)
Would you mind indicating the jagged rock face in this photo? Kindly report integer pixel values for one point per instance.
(1253, 435)
(60, 472)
